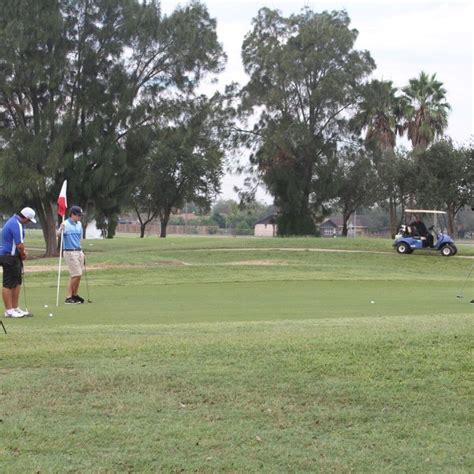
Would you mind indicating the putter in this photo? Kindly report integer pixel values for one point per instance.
(461, 293)
(24, 291)
(87, 282)
(3, 326)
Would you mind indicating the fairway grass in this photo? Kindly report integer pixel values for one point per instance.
(246, 355)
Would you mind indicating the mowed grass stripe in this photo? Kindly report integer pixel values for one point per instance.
(247, 301)
(183, 266)
(325, 395)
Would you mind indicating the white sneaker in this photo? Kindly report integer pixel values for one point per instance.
(23, 312)
(13, 313)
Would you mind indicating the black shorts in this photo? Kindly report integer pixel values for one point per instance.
(12, 267)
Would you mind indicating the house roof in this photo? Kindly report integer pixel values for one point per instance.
(328, 223)
(336, 221)
(271, 219)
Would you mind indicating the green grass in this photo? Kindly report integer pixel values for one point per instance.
(242, 355)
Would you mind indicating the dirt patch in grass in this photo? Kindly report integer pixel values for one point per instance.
(105, 266)
(258, 263)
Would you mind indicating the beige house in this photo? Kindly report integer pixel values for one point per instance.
(357, 226)
(266, 227)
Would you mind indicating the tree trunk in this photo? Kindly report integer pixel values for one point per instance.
(142, 230)
(164, 224)
(344, 229)
(289, 223)
(393, 217)
(112, 223)
(345, 218)
(45, 213)
(450, 221)
(164, 218)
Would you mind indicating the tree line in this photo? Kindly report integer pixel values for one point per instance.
(106, 95)
(326, 134)
(225, 216)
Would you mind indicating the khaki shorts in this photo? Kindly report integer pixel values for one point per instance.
(75, 262)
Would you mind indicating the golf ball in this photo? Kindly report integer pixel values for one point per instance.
(45, 305)
(50, 314)
(372, 302)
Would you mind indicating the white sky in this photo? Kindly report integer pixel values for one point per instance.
(404, 37)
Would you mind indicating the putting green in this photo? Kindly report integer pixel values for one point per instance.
(250, 301)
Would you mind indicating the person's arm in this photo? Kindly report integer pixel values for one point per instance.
(60, 229)
(17, 237)
(22, 251)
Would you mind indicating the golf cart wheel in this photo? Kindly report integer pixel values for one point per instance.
(455, 249)
(447, 251)
(403, 248)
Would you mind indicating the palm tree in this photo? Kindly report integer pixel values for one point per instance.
(379, 113)
(425, 110)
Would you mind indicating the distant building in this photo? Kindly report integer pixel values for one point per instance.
(332, 226)
(266, 227)
(328, 228)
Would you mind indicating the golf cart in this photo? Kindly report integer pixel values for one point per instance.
(413, 235)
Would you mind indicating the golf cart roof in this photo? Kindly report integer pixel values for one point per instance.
(423, 211)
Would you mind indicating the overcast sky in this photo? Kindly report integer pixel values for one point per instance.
(404, 37)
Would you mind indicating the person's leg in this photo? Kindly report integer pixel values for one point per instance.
(11, 281)
(12, 286)
(78, 269)
(68, 258)
(74, 262)
(75, 281)
(16, 296)
(69, 288)
(7, 298)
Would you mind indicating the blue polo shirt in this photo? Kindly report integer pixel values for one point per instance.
(13, 234)
(72, 234)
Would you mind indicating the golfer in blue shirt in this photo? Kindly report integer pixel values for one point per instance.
(73, 254)
(12, 254)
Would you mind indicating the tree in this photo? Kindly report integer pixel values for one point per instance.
(425, 110)
(168, 56)
(143, 197)
(304, 77)
(398, 178)
(379, 114)
(32, 64)
(76, 82)
(355, 182)
(143, 201)
(445, 178)
(229, 213)
(185, 160)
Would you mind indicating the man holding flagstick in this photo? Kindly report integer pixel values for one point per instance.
(71, 229)
(70, 232)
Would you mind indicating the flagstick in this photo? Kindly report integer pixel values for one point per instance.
(59, 265)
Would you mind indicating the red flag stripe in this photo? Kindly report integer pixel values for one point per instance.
(62, 200)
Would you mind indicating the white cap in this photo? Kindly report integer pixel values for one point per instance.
(29, 214)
